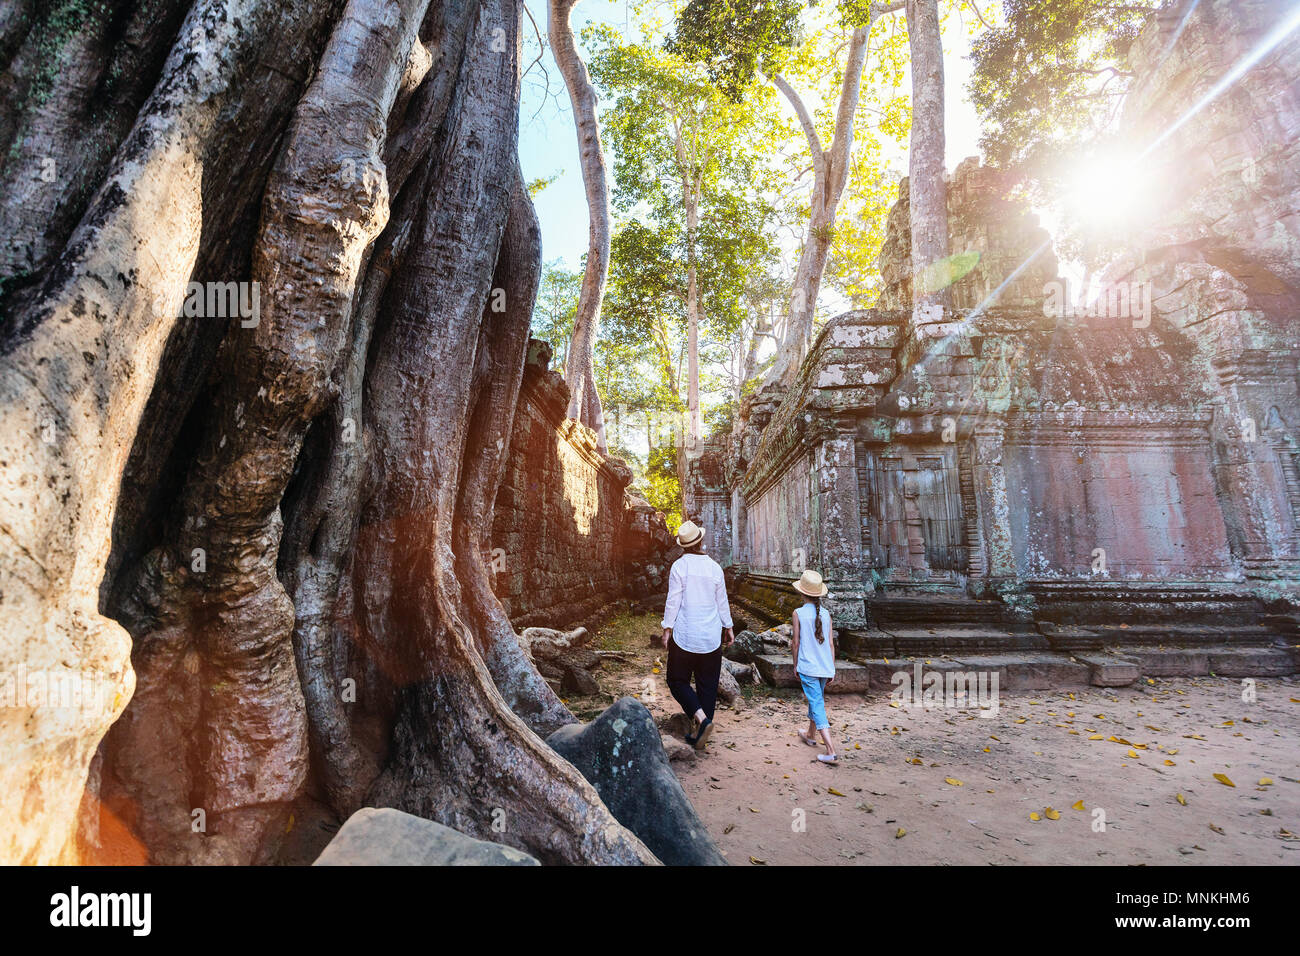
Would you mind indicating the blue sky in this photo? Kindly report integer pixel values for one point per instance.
(548, 143)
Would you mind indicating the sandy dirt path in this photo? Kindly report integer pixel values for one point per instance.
(961, 787)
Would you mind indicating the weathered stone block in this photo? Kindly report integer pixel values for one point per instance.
(1031, 671)
(1107, 671)
(1251, 662)
(387, 837)
(1169, 662)
(778, 671)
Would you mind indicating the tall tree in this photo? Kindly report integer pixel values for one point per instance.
(584, 400)
(691, 166)
(738, 40)
(928, 191)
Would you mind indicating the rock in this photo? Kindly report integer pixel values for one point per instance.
(743, 673)
(678, 750)
(620, 753)
(781, 636)
(545, 641)
(744, 648)
(1107, 671)
(676, 725)
(728, 689)
(387, 837)
(579, 682)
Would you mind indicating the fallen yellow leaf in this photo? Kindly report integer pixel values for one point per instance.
(834, 792)
(1223, 779)
(1077, 806)
(900, 834)
(757, 862)
(1051, 814)
(1181, 799)
(1035, 817)
(952, 781)
(1266, 781)
(1170, 763)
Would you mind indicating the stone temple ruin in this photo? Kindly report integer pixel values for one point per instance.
(1087, 497)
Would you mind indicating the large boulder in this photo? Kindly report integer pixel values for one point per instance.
(621, 755)
(386, 837)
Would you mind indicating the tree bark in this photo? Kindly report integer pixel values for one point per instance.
(580, 365)
(928, 192)
(688, 166)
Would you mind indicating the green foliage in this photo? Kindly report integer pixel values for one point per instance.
(735, 39)
(555, 307)
(535, 186)
(677, 140)
(1050, 79)
(662, 488)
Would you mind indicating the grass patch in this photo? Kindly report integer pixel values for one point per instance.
(626, 632)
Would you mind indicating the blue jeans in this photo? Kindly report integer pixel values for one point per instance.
(814, 688)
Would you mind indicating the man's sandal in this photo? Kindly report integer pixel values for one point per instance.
(808, 740)
(829, 758)
(702, 737)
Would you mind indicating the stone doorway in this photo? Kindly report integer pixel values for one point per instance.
(913, 530)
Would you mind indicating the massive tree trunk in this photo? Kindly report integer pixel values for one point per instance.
(688, 165)
(929, 194)
(286, 500)
(580, 366)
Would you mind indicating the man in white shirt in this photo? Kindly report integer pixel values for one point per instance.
(697, 623)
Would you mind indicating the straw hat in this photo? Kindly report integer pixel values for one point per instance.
(810, 583)
(689, 533)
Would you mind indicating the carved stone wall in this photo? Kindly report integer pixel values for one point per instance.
(568, 539)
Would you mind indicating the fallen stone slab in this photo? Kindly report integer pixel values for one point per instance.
(744, 648)
(620, 753)
(1105, 670)
(382, 836)
(778, 671)
(1068, 638)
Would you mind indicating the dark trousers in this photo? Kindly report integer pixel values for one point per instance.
(704, 668)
